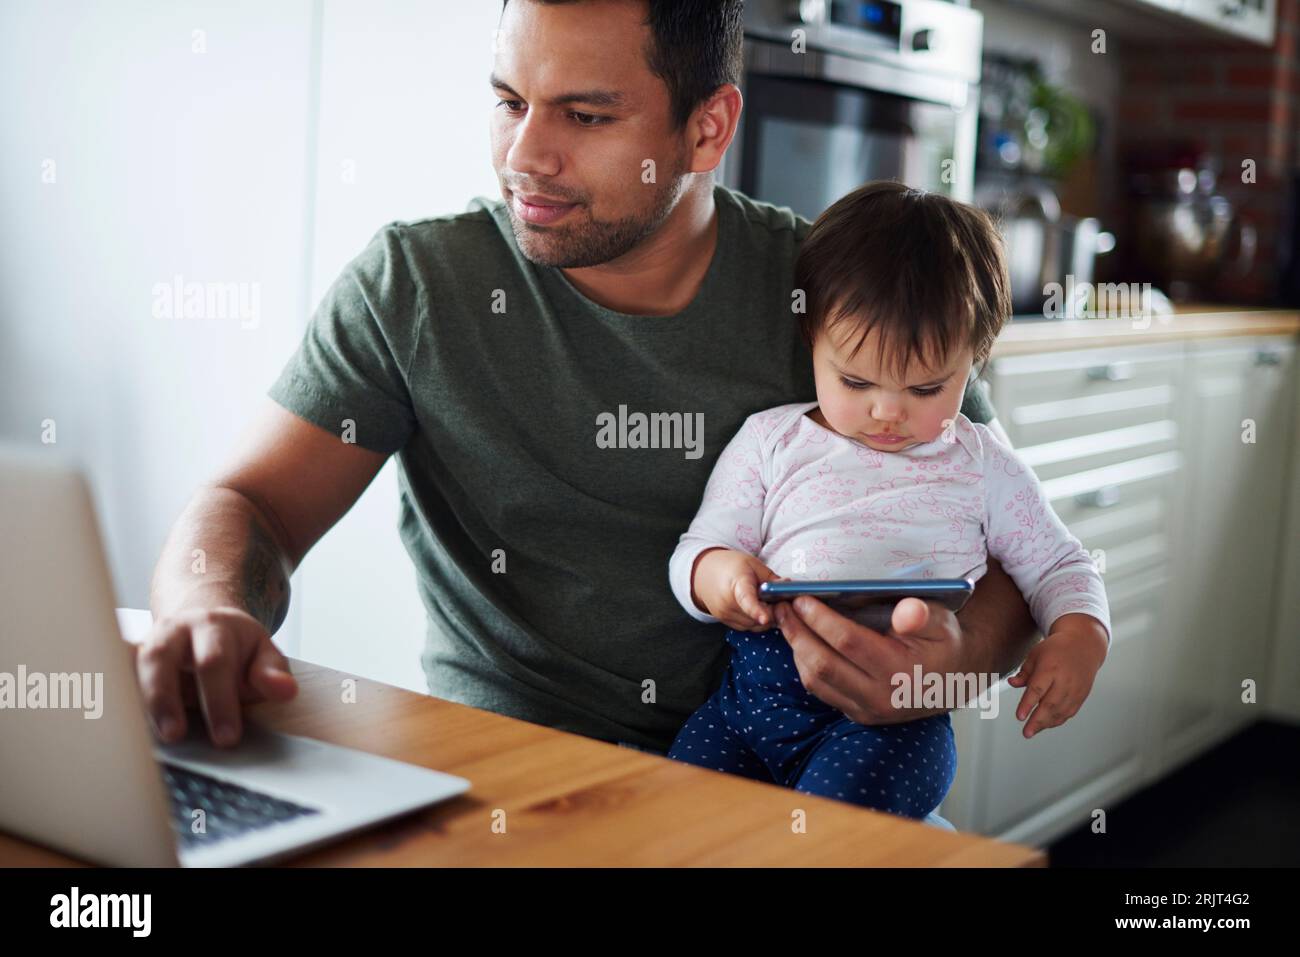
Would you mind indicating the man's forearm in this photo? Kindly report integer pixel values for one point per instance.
(222, 551)
(997, 628)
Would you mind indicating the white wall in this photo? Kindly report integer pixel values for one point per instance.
(166, 161)
(405, 105)
(223, 166)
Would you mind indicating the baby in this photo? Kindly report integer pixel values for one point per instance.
(905, 291)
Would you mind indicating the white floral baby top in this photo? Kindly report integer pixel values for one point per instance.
(813, 504)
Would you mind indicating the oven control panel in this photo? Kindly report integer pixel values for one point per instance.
(934, 36)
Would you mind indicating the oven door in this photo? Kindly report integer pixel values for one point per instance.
(818, 125)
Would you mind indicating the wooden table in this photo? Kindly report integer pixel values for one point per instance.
(569, 800)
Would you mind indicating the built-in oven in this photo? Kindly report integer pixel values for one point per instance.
(839, 93)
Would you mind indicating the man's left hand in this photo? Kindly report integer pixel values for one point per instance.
(851, 667)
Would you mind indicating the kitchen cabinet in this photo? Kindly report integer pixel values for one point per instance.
(1028, 789)
(1225, 590)
(1101, 429)
(1282, 695)
(1139, 448)
(1249, 19)
(1154, 20)
(1238, 500)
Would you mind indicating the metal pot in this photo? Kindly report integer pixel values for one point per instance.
(1043, 245)
(1185, 231)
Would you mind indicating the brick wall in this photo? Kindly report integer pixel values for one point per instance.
(1236, 101)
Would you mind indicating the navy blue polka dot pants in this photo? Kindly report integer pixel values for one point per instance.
(763, 724)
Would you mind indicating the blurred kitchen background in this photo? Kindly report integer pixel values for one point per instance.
(1146, 142)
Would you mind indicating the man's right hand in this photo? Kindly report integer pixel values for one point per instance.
(216, 658)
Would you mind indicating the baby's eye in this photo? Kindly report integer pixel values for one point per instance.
(851, 384)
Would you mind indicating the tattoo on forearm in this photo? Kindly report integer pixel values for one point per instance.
(266, 590)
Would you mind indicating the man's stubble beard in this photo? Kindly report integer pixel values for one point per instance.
(591, 242)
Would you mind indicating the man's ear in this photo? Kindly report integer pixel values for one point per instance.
(712, 127)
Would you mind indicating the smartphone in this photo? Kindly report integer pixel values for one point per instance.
(872, 601)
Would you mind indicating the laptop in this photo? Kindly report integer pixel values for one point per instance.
(83, 772)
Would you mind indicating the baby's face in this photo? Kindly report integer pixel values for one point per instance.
(859, 400)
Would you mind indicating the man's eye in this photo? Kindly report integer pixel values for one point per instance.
(583, 119)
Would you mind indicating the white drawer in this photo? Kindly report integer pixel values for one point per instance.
(1131, 596)
(1122, 513)
(1083, 453)
(1063, 395)
(1077, 765)
(1065, 375)
(1087, 494)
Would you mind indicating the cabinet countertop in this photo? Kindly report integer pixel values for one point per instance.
(1027, 336)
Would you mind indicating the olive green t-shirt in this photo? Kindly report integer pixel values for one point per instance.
(541, 495)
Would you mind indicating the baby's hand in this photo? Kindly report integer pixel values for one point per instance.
(725, 584)
(1057, 676)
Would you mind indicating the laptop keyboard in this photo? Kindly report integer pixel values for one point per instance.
(229, 810)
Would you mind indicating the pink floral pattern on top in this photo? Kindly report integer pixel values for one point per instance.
(813, 504)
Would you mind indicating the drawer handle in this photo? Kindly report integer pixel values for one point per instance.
(1103, 497)
(1111, 372)
(1268, 357)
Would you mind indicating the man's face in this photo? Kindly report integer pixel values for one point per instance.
(580, 114)
(860, 400)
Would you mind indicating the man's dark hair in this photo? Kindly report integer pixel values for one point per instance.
(695, 47)
(927, 271)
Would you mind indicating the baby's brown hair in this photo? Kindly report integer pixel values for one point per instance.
(928, 272)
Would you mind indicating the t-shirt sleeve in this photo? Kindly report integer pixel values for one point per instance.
(351, 366)
(976, 404)
(731, 515)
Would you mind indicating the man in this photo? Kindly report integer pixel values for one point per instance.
(511, 356)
